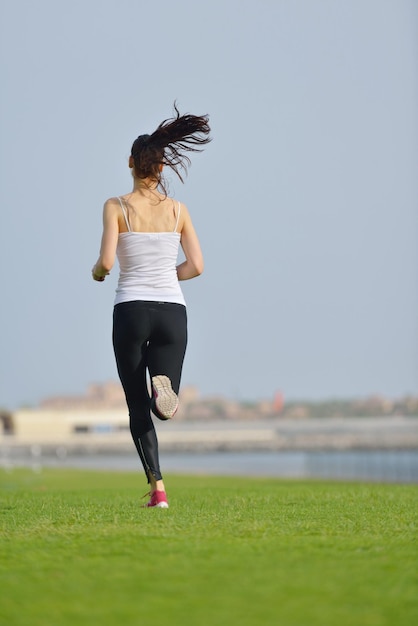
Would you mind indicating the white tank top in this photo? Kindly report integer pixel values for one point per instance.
(147, 264)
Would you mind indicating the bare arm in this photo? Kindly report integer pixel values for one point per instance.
(109, 243)
(193, 265)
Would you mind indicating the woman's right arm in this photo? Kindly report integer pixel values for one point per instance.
(193, 265)
(109, 243)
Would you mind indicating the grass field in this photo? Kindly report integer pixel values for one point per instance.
(76, 548)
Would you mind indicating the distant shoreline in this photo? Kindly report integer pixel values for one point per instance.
(313, 434)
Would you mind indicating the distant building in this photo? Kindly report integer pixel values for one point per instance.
(278, 402)
(54, 425)
(99, 396)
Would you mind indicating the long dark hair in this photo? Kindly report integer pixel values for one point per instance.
(168, 144)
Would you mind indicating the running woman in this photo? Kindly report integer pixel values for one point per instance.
(144, 229)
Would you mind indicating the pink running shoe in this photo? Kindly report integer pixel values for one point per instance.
(158, 499)
(165, 400)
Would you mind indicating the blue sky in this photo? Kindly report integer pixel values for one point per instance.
(305, 202)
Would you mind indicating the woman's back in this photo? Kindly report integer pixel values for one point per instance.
(147, 250)
(149, 212)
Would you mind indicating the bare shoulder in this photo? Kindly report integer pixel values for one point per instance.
(112, 202)
(111, 205)
(184, 215)
(184, 211)
(111, 209)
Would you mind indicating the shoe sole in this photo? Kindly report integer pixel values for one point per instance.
(160, 505)
(166, 400)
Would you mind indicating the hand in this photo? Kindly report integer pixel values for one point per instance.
(97, 277)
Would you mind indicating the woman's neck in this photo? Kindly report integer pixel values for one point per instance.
(145, 184)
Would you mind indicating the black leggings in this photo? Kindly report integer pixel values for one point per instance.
(147, 336)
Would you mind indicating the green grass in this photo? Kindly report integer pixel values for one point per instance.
(77, 549)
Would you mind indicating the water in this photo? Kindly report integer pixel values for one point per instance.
(399, 466)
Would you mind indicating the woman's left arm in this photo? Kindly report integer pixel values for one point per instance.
(109, 243)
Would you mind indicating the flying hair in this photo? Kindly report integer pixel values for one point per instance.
(169, 144)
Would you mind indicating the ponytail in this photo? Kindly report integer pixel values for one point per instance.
(168, 144)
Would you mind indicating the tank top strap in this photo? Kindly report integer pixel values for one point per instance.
(178, 217)
(124, 214)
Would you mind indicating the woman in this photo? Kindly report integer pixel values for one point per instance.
(144, 229)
